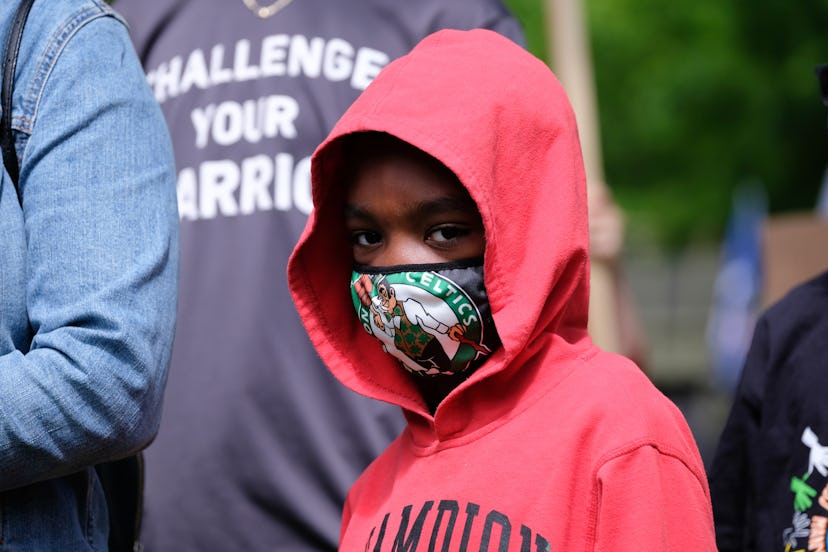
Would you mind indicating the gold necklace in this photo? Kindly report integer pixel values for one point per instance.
(264, 12)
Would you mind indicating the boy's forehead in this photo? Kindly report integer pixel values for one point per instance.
(364, 149)
(408, 179)
(371, 152)
(387, 175)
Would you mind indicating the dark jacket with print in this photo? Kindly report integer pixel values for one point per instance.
(769, 477)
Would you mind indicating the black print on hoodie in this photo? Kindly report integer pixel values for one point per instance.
(446, 527)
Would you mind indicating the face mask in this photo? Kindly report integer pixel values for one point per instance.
(434, 318)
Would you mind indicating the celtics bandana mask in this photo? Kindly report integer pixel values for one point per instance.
(435, 318)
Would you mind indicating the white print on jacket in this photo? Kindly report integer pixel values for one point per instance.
(819, 454)
(807, 520)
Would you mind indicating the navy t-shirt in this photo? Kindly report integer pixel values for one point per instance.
(258, 442)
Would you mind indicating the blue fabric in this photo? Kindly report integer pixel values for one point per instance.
(737, 289)
(88, 273)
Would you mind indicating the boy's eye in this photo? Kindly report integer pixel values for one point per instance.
(446, 233)
(365, 238)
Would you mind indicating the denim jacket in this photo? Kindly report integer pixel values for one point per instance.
(88, 273)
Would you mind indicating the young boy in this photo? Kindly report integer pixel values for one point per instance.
(451, 198)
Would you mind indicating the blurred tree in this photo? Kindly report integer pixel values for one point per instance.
(531, 15)
(697, 98)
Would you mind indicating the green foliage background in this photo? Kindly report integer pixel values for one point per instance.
(697, 98)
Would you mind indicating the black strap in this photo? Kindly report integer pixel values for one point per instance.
(9, 65)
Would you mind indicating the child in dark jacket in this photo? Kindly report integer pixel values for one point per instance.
(450, 199)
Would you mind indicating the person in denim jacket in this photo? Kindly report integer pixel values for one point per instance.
(88, 273)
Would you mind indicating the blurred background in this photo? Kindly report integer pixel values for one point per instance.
(711, 125)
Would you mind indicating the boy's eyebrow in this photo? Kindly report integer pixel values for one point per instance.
(444, 204)
(354, 211)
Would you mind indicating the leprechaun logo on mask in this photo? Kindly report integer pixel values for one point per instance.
(426, 320)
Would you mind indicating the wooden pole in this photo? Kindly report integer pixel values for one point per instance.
(570, 52)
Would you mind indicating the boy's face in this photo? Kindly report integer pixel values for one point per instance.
(402, 209)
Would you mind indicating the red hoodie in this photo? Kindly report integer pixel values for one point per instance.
(551, 444)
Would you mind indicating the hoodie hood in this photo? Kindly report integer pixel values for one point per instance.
(499, 119)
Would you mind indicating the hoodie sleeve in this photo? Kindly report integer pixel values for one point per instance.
(650, 500)
(346, 518)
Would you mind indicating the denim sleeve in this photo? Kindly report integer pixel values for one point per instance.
(98, 194)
